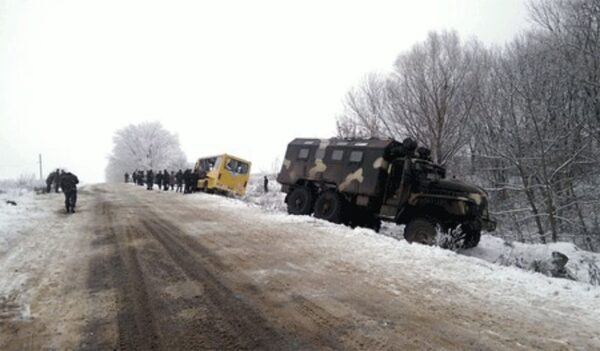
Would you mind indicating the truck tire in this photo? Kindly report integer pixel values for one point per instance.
(330, 207)
(300, 201)
(472, 238)
(420, 230)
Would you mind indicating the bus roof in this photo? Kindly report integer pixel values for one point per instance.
(226, 155)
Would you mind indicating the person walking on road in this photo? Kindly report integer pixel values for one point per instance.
(56, 180)
(68, 183)
(49, 181)
(172, 180)
(126, 177)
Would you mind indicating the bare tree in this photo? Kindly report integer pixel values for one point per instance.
(432, 93)
(143, 146)
(365, 109)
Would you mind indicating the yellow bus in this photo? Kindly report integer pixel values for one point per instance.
(223, 173)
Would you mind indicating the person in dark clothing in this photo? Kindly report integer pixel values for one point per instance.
(134, 177)
(150, 179)
(194, 183)
(187, 180)
(49, 181)
(126, 177)
(56, 180)
(266, 184)
(68, 183)
(140, 178)
(179, 180)
(172, 180)
(166, 180)
(159, 179)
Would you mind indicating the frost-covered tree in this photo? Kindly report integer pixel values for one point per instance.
(366, 110)
(429, 96)
(144, 146)
(527, 115)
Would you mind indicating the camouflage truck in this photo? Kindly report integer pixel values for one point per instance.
(360, 182)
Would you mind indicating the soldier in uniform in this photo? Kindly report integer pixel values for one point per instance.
(56, 180)
(166, 180)
(159, 179)
(194, 183)
(150, 179)
(68, 183)
(187, 179)
(49, 181)
(179, 180)
(126, 177)
(172, 180)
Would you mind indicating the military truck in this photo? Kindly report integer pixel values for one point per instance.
(360, 182)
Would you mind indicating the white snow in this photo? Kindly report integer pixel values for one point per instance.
(584, 266)
(15, 220)
(437, 268)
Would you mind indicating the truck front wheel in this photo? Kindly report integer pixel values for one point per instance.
(472, 238)
(300, 201)
(421, 231)
(330, 207)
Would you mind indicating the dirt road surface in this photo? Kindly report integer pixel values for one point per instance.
(151, 270)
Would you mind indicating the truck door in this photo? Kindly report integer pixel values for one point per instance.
(398, 182)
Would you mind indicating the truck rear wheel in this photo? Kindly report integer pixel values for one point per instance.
(330, 207)
(420, 230)
(300, 201)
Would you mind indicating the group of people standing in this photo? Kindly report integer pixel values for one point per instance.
(66, 181)
(180, 181)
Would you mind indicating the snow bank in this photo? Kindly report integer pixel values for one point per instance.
(431, 268)
(582, 265)
(272, 200)
(18, 209)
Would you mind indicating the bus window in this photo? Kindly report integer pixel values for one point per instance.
(242, 168)
(236, 166)
(208, 164)
(231, 165)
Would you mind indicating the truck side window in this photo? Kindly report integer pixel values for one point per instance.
(303, 154)
(356, 156)
(337, 155)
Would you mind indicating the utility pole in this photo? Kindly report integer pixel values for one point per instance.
(41, 174)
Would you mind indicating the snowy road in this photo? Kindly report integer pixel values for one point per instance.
(135, 269)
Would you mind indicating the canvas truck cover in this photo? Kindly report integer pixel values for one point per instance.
(357, 166)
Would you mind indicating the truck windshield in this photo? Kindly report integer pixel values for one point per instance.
(429, 171)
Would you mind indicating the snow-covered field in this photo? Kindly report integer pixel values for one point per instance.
(15, 220)
(583, 266)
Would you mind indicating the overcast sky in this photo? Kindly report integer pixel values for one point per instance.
(243, 77)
